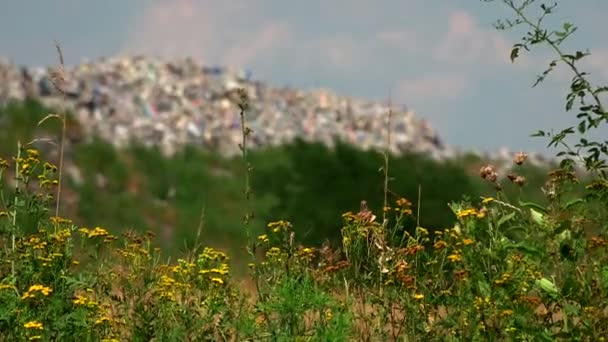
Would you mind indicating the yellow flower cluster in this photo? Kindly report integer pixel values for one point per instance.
(279, 226)
(33, 325)
(3, 164)
(472, 212)
(210, 254)
(31, 292)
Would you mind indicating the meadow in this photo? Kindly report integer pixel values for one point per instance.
(426, 253)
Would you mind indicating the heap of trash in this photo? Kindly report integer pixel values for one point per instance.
(173, 103)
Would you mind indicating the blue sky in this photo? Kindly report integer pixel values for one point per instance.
(441, 58)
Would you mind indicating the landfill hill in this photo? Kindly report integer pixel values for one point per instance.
(172, 103)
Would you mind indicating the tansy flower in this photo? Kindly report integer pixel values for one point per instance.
(440, 244)
(487, 200)
(218, 281)
(418, 296)
(33, 325)
(455, 257)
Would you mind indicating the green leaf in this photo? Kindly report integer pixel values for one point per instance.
(574, 202)
(484, 288)
(548, 287)
(532, 205)
(524, 247)
(537, 217)
(504, 219)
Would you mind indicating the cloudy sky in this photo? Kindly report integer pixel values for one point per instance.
(441, 58)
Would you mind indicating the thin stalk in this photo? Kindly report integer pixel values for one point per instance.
(15, 206)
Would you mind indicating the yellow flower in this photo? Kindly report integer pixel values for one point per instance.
(36, 288)
(328, 315)
(263, 238)
(507, 313)
(33, 325)
(31, 153)
(102, 320)
(218, 281)
(80, 300)
(35, 337)
(467, 241)
(277, 226)
(6, 286)
(455, 257)
(440, 244)
(50, 167)
(487, 200)
(466, 213)
(3, 164)
(422, 231)
(273, 252)
(418, 296)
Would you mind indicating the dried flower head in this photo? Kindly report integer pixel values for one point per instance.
(520, 180)
(520, 157)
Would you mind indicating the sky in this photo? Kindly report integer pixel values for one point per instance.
(443, 59)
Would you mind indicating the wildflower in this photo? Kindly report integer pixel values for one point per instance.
(3, 164)
(487, 200)
(422, 231)
(34, 154)
(461, 274)
(520, 157)
(50, 167)
(489, 173)
(404, 203)
(26, 168)
(440, 244)
(219, 281)
(467, 213)
(597, 241)
(328, 315)
(5, 286)
(455, 257)
(36, 288)
(35, 337)
(277, 226)
(80, 300)
(3, 214)
(503, 279)
(273, 252)
(418, 296)
(210, 254)
(597, 185)
(467, 242)
(306, 253)
(33, 325)
(506, 313)
(517, 179)
(263, 238)
(102, 320)
(412, 250)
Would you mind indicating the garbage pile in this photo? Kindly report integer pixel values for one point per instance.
(173, 103)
